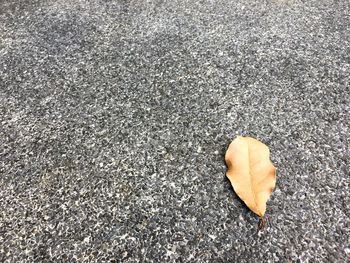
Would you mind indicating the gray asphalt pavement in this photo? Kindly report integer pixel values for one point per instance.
(115, 117)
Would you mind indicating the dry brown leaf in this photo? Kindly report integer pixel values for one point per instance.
(251, 173)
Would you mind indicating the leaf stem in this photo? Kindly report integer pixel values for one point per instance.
(263, 223)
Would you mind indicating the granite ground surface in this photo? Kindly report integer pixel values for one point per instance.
(115, 117)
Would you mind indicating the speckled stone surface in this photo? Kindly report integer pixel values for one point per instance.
(115, 117)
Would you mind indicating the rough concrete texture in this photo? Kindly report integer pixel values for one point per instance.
(115, 117)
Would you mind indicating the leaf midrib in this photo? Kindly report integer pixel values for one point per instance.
(251, 181)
